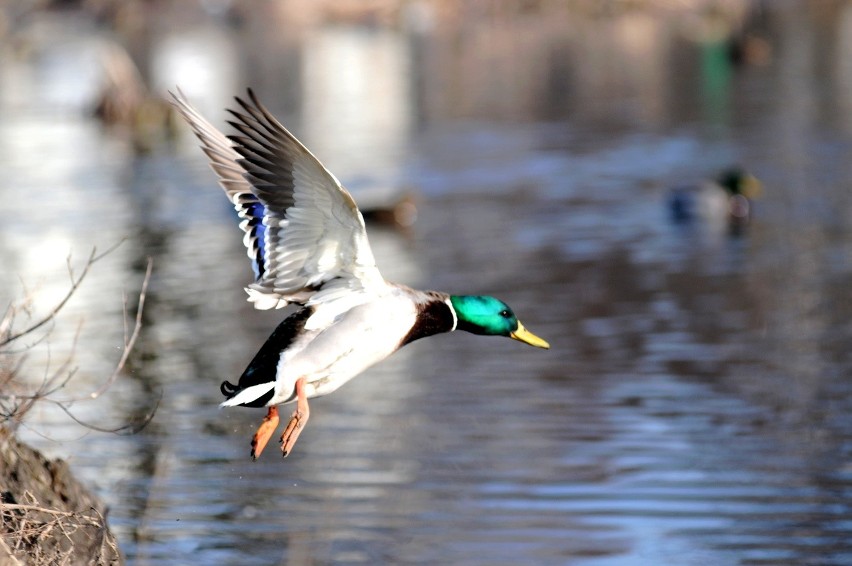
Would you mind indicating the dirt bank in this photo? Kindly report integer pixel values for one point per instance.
(48, 517)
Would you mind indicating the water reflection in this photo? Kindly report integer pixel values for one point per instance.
(695, 401)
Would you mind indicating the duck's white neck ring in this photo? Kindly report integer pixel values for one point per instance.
(455, 316)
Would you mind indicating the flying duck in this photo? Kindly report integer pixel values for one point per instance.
(308, 246)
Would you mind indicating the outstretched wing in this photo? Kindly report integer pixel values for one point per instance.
(303, 230)
(223, 160)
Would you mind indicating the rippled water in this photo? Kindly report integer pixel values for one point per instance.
(694, 408)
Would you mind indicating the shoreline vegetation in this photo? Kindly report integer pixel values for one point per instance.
(48, 517)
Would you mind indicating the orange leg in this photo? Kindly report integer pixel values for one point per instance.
(298, 420)
(264, 432)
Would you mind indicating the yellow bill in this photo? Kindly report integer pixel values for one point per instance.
(524, 335)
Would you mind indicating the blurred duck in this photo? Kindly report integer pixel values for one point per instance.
(726, 199)
(308, 246)
(400, 214)
(125, 101)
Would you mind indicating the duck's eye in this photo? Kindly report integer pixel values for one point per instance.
(505, 314)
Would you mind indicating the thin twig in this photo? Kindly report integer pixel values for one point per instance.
(75, 283)
(128, 344)
(125, 429)
(7, 551)
(13, 406)
(131, 427)
(94, 257)
(23, 507)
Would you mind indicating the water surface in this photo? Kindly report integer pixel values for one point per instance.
(694, 407)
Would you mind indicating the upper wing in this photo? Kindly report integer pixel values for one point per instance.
(302, 226)
(223, 159)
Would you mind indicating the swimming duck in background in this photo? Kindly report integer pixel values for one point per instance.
(399, 214)
(308, 246)
(727, 199)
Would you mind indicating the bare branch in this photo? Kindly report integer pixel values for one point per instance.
(94, 257)
(124, 430)
(8, 552)
(128, 344)
(21, 507)
(14, 404)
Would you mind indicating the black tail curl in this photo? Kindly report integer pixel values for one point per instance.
(228, 389)
(264, 366)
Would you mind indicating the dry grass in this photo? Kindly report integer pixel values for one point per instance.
(55, 537)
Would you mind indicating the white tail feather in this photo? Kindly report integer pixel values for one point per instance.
(248, 394)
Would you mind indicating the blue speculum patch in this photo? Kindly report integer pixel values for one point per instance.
(254, 212)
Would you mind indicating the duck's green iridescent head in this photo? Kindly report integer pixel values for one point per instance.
(481, 314)
(738, 181)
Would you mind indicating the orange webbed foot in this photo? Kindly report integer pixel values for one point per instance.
(264, 432)
(297, 421)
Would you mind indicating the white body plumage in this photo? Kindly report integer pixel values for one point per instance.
(347, 341)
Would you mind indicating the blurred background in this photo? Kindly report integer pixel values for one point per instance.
(660, 188)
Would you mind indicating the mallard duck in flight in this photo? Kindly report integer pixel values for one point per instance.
(308, 246)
